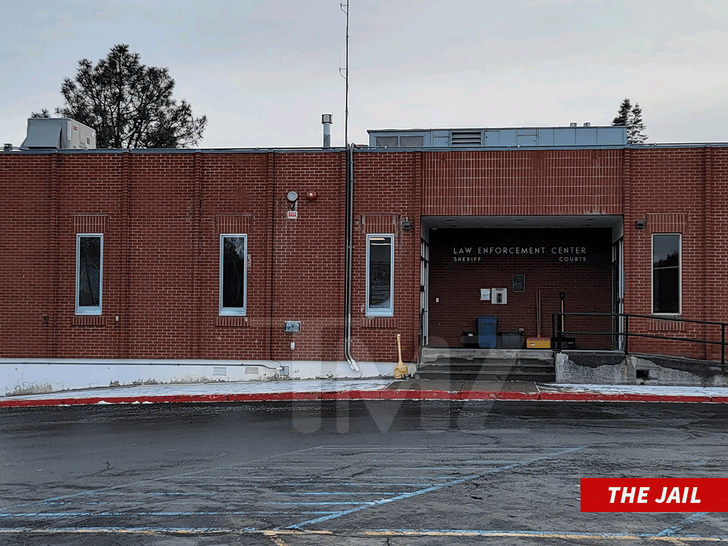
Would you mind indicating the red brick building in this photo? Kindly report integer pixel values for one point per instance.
(207, 256)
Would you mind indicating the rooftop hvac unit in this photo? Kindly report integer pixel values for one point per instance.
(58, 134)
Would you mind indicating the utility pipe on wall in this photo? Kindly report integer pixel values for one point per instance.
(348, 257)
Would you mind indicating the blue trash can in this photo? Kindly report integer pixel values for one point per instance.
(487, 331)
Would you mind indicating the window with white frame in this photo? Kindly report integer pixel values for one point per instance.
(666, 273)
(380, 275)
(89, 273)
(233, 274)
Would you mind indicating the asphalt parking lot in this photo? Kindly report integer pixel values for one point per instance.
(359, 472)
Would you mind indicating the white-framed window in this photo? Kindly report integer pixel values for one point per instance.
(380, 275)
(233, 274)
(89, 273)
(666, 273)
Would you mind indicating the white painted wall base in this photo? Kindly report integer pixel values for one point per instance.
(36, 376)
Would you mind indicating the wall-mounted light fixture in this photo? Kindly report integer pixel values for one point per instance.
(406, 224)
(641, 224)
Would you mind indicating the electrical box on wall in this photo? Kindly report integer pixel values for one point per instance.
(293, 326)
(519, 283)
(499, 296)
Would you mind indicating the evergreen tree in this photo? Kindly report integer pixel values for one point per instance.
(631, 117)
(636, 132)
(623, 116)
(129, 104)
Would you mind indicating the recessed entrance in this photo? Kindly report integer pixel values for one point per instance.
(517, 272)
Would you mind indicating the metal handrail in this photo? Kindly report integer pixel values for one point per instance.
(560, 334)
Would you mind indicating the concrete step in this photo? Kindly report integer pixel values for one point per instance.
(503, 371)
(536, 376)
(487, 364)
(433, 354)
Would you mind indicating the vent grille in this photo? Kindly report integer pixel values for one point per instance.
(466, 138)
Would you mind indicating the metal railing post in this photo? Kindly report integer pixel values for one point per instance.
(557, 328)
(626, 334)
(722, 346)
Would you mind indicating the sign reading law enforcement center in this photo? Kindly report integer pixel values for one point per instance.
(478, 253)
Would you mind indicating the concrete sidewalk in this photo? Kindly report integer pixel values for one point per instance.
(368, 389)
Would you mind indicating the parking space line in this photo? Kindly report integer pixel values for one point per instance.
(382, 501)
(670, 531)
(431, 489)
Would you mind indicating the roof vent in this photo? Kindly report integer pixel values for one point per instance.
(466, 138)
(326, 120)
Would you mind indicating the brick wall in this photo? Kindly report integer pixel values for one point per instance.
(161, 215)
(28, 185)
(515, 182)
(716, 239)
(232, 197)
(386, 193)
(676, 190)
(308, 256)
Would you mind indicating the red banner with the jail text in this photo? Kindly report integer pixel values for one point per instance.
(654, 495)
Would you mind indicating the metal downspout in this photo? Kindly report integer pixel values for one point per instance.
(349, 236)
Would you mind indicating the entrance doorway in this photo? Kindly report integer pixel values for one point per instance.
(503, 267)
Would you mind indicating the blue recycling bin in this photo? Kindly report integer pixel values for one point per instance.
(487, 331)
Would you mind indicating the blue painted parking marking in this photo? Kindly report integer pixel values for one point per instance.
(312, 498)
(298, 499)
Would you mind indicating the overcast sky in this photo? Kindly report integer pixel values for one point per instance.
(263, 71)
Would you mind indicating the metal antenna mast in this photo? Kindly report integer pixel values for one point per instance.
(345, 8)
(348, 231)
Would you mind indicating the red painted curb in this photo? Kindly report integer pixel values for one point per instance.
(497, 395)
(625, 397)
(369, 395)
